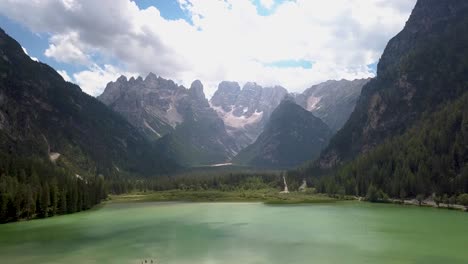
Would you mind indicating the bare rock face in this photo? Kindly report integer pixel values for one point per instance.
(150, 104)
(183, 117)
(332, 101)
(246, 111)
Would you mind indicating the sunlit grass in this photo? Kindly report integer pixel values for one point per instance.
(269, 196)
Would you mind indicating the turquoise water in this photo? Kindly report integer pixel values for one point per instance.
(241, 233)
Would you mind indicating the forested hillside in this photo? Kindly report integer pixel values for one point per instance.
(41, 114)
(30, 187)
(432, 157)
(423, 66)
(58, 144)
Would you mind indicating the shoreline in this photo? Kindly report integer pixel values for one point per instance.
(429, 203)
(268, 197)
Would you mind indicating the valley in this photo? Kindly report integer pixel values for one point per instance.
(142, 137)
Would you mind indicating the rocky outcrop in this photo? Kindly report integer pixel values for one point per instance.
(332, 101)
(190, 130)
(151, 105)
(246, 111)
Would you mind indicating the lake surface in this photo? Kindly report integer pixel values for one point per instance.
(182, 233)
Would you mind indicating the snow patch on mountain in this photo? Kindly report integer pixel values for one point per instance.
(234, 121)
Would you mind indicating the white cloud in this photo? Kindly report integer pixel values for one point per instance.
(228, 39)
(94, 80)
(267, 3)
(66, 48)
(26, 52)
(65, 75)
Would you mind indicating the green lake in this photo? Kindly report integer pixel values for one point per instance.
(348, 232)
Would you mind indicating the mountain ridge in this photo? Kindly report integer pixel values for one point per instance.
(422, 66)
(292, 136)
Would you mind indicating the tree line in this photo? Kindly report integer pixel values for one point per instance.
(34, 188)
(222, 180)
(431, 159)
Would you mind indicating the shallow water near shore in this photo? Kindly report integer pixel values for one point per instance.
(348, 232)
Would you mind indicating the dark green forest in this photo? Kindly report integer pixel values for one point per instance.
(222, 180)
(430, 158)
(33, 188)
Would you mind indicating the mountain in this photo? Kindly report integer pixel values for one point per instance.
(429, 158)
(149, 105)
(292, 136)
(246, 111)
(423, 66)
(42, 116)
(332, 101)
(188, 129)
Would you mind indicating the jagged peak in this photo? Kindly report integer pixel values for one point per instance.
(151, 76)
(196, 88)
(252, 86)
(122, 78)
(197, 85)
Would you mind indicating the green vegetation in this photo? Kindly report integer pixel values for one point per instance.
(268, 196)
(41, 114)
(432, 157)
(32, 188)
(422, 67)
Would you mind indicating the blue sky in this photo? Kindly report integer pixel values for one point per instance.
(37, 43)
(293, 43)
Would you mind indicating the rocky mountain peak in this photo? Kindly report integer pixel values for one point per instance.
(122, 79)
(151, 77)
(196, 90)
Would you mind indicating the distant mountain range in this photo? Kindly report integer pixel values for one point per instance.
(332, 101)
(196, 132)
(291, 137)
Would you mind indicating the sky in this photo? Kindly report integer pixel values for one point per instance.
(292, 43)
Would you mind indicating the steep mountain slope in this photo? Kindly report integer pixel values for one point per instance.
(190, 130)
(425, 65)
(150, 104)
(431, 157)
(246, 111)
(292, 136)
(332, 101)
(41, 115)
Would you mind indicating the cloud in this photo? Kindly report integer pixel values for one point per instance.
(26, 52)
(66, 48)
(94, 80)
(65, 75)
(267, 3)
(225, 40)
